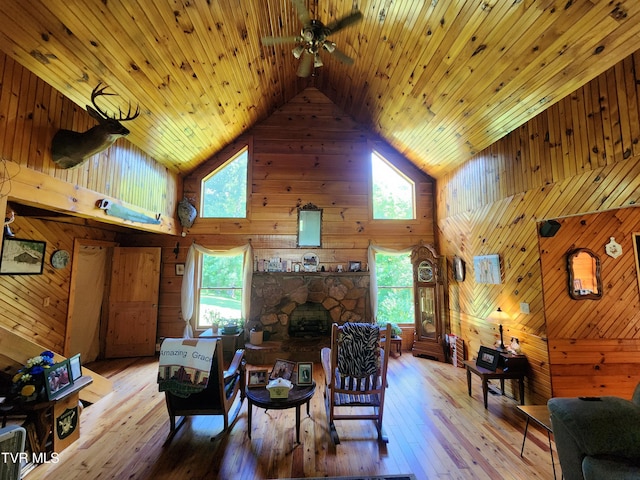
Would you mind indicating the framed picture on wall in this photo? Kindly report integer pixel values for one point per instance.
(487, 269)
(22, 257)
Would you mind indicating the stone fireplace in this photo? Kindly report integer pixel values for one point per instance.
(296, 310)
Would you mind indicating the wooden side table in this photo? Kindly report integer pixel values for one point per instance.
(298, 395)
(396, 342)
(230, 342)
(539, 414)
(500, 374)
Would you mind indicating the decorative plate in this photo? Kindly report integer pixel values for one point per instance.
(60, 258)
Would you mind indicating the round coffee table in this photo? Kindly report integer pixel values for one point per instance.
(297, 396)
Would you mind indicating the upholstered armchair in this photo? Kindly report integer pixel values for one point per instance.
(597, 438)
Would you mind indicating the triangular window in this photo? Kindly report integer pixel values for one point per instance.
(393, 193)
(224, 191)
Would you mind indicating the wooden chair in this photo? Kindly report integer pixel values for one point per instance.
(354, 383)
(216, 399)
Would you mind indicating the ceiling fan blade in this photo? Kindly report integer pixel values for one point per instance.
(304, 69)
(342, 57)
(350, 19)
(303, 13)
(267, 41)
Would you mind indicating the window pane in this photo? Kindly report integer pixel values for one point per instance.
(224, 194)
(394, 275)
(395, 305)
(221, 290)
(392, 193)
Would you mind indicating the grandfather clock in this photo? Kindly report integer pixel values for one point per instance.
(429, 303)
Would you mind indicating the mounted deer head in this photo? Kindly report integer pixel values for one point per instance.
(70, 149)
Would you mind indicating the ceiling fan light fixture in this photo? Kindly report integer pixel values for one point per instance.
(329, 46)
(297, 52)
(317, 61)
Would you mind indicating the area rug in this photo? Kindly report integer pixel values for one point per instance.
(408, 476)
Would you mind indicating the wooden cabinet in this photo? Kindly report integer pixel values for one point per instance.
(430, 315)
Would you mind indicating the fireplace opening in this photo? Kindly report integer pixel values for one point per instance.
(309, 320)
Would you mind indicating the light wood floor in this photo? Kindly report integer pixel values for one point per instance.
(436, 431)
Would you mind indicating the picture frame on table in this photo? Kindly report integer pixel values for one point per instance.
(355, 266)
(76, 366)
(22, 257)
(282, 369)
(488, 358)
(305, 373)
(258, 377)
(58, 379)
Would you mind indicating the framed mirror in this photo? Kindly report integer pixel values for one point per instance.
(584, 275)
(309, 226)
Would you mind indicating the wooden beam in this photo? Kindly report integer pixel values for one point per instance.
(40, 190)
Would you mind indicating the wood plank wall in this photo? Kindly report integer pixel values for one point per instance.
(31, 112)
(306, 151)
(35, 306)
(580, 156)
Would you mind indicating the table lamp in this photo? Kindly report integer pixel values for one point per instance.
(499, 317)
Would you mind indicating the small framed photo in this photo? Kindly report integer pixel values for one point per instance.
(305, 373)
(282, 369)
(258, 377)
(58, 379)
(76, 367)
(179, 269)
(355, 266)
(488, 358)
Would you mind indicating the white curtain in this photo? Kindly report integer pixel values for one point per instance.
(373, 282)
(189, 280)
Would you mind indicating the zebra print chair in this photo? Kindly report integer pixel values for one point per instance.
(355, 370)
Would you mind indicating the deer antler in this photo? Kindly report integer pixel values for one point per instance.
(97, 92)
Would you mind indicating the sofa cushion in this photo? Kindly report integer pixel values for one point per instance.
(597, 468)
(608, 426)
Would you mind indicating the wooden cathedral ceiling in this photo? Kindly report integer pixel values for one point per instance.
(439, 80)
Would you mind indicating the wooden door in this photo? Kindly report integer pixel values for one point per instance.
(133, 302)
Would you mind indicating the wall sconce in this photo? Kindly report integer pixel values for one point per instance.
(499, 317)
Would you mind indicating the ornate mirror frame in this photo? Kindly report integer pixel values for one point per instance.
(309, 226)
(579, 289)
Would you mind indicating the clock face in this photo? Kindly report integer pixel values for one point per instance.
(60, 258)
(425, 272)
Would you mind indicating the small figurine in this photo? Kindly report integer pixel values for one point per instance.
(515, 346)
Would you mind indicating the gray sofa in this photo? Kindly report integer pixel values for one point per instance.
(597, 438)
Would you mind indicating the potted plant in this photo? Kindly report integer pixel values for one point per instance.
(212, 317)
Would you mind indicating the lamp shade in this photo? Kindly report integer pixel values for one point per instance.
(498, 316)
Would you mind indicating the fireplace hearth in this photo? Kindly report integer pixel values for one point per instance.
(309, 320)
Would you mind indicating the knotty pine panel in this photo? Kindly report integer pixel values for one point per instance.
(23, 297)
(297, 158)
(32, 112)
(576, 159)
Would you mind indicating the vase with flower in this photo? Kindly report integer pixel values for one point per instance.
(28, 383)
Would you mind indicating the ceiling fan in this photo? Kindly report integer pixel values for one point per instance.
(313, 38)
